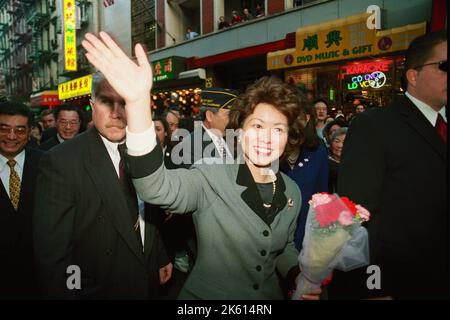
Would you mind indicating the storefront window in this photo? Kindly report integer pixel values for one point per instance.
(187, 101)
(372, 82)
(367, 82)
(318, 82)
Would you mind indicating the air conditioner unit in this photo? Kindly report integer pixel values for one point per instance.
(200, 73)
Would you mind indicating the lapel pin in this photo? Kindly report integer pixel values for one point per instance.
(290, 203)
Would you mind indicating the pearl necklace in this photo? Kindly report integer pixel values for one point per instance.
(274, 188)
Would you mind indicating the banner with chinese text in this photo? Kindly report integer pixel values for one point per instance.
(75, 88)
(342, 39)
(70, 40)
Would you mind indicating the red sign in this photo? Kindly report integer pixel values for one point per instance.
(46, 98)
(366, 67)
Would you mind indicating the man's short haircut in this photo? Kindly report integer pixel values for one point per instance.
(46, 113)
(66, 107)
(203, 109)
(420, 50)
(16, 108)
(97, 85)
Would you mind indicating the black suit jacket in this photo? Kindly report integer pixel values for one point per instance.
(81, 218)
(47, 134)
(17, 269)
(49, 144)
(395, 164)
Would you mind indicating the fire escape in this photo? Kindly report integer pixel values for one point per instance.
(43, 50)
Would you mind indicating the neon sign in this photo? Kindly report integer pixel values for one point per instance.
(373, 80)
(367, 67)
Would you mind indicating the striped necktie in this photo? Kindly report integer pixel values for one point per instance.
(14, 184)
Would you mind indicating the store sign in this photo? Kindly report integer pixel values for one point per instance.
(167, 69)
(346, 38)
(45, 98)
(367, 67)
(70, 40)
(375, 80)
(75, 88)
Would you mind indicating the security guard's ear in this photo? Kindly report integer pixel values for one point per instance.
(411, 76)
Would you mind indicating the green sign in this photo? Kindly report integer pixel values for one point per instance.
(167, 69)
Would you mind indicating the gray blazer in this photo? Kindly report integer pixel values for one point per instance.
(238, 253)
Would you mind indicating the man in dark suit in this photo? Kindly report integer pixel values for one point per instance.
(18, 171)
(87, 216)
(68, 122)
(48, 125)
(394, 163)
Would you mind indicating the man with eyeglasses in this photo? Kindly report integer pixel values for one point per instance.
(68, 122)
(394, 163)
(18, 171)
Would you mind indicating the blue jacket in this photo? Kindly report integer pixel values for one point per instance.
(311, 175)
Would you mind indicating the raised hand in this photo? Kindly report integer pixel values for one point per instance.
(133, 81)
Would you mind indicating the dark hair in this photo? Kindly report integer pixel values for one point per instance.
(16, 108)
(327, 128)
(321, 100)
(37, 125)
(66, 107)
(420, 50)
(186, 123)
(312, 140)
(285, 98)
(46, 113)
(166, 128)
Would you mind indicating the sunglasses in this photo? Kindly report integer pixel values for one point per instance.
(442, 65)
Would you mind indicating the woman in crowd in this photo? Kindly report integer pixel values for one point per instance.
(307, 165)
(331, 127)
(162, 130)
(244, 213)
(336, 144)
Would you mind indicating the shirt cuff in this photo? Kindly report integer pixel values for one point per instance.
(139, 144)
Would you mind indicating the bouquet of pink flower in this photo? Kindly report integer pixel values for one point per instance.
(334, 239)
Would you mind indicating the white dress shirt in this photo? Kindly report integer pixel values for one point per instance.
(5, 171)
(114, 154)
(426, 110)
(219, 142)
(60, 139)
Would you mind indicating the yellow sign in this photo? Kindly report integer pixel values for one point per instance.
(75, 88)
(70, 39)
(346, 38)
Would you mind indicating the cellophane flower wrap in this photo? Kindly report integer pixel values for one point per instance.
(334, 239)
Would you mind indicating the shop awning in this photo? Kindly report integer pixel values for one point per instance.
(196, 62)
(342, 39)
(45, 98)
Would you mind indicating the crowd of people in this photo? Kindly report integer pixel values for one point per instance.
(167, 206)
(236, 18)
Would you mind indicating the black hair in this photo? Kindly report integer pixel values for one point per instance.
(67, 107)
(16, 108)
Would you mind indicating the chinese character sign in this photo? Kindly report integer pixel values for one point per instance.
(75, 88)
(70, 40)
(342, 39)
